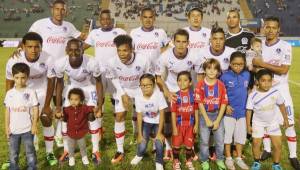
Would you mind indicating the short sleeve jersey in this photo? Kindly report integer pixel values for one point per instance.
(55, 37)
(150, 107)
(280, 53)
(211, 96)
(80, 76)
(40, 70)
(103, 43)
(223, 58)
(264, 106)
(19, 104)
(198, 39)
(185, 107)
(148, 43)
(128, 74)
(170, 63)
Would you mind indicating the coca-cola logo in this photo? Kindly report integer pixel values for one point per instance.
(212, 101)
(148, 46)
(186, 109)
(56, 40)
(105, 44)
(196, 45)
(130, 78)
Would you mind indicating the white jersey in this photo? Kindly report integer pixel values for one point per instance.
(168, 62)
(278, 54)
(103, 43)
(223, 58)
(40, 70)
(128, 74)
(198, 39)
(55, 37)
(264, 106)
(150, 107)
(149, 43)
(20, 103)
(81, 76)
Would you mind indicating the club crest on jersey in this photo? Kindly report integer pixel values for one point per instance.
(118, 68)
(190, 63)
(138, 68)
(115, 33)
(278, 50)
(42, 65)
(185, 99)
(244, 40)
(49, 28)
(26, 96)
(156, 34)
(204, 34)
(65, 29)
(211, 92)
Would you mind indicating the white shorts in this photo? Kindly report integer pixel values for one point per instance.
(108, 87)
(236, 129)
(285, 92)
(119, 107)
(89, 91)
(271, 130)
(41, 95)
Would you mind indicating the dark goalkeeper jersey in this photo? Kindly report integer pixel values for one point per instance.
(239, 41)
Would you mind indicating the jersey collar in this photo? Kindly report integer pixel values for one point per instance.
(270, 45)
(232, 34)
(195, 30)
(107, 30)
(215, 54)
(180, 58)
(145, 30)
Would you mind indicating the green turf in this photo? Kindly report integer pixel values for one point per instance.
(108, 146)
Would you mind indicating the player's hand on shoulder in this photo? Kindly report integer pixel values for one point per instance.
(16, 53)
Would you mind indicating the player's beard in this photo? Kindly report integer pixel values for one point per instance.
(75, 62)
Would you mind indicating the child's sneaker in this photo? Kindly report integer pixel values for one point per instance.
(241, 164)
(276, 167)
(51, 159)
(136, 160)
(64, 157)
(205, 165)
(85, 160)
(119, 156)
(159, 166)
(221, 165)
(96, 158)
(176, 164)
(189, 165)
(168, 155)
(255, 166)
(71, 161)
(230, 164)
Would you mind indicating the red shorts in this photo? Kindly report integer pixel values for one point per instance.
(185, 136)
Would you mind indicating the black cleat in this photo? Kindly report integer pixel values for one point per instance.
(265, 155)
(295, 163)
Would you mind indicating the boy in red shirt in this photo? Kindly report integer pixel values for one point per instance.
(212, 100)
(76, 117)
(184, 120)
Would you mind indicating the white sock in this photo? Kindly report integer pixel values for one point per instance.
(292, 141)
(120, 135)
(168, 147)
(48, 133)
(64, 135)
(267, 143)
(94, 131)
(58, 128)
(100, 120)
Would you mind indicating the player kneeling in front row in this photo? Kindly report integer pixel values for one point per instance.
(263, 102)
(150, 105)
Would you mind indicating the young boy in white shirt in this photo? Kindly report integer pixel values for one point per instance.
(21, 117)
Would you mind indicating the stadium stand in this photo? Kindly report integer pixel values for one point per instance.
(287, 11)
(16, 16)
